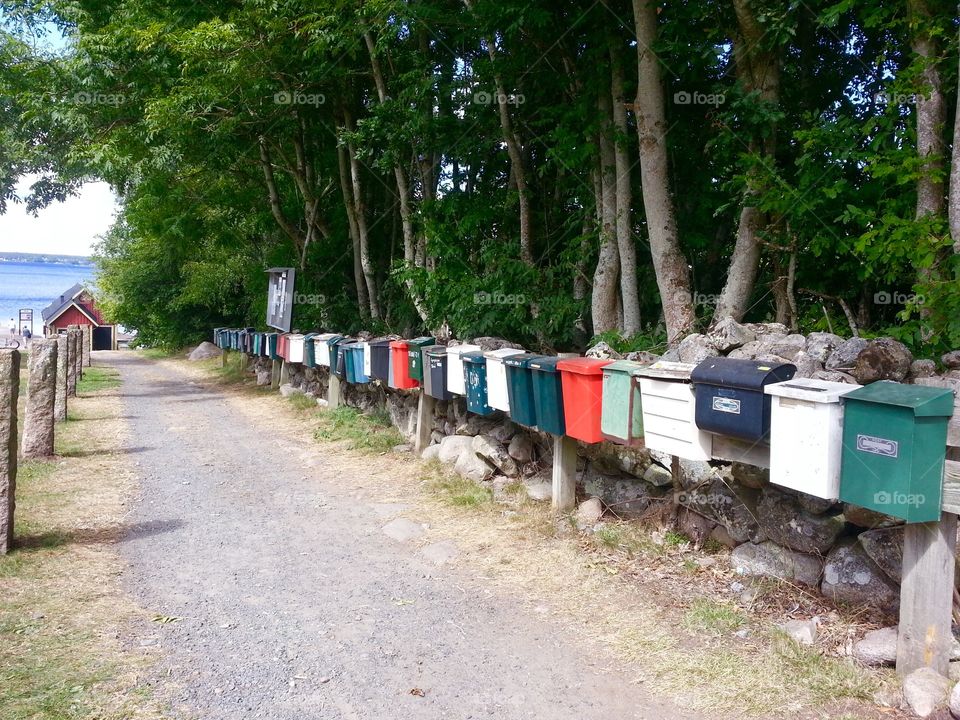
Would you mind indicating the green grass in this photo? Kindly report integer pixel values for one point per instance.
(824, 678)
(303, 402)
(464, 493)
(96, 379)
(713, 616)
(610, 536)
(159, 353)
(371, 432)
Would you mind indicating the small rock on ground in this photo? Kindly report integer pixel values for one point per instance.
(589, 512)
(440, 553)
(925, 690)
(403, 530)
(289, 390)
(803, 631)
(540, 491)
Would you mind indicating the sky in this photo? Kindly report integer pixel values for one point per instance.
(68, 228)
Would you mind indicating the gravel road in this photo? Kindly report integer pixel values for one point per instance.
(284, 598)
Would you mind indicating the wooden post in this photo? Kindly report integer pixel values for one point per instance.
(334, 393)
(224, 358)
(926, 596)
(284, 373)
(425, 409)
(275, 375)
(564, 473)
(244, 362)
(9, 445)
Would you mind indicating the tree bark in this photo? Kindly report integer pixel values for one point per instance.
(759, 71)
(403, 184)
(954, 199)
(363, 233)
(669, 263)
(363, 297)
(931, 114)
(629, 294)
(606, 276)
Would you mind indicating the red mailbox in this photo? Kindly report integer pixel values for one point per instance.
(582, 383)
(399, 351)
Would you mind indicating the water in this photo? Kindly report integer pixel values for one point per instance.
(35, 285)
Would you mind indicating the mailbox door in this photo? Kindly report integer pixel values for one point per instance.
(455, 369)
(437, 372)
(622, 415)
(669, 410)
(475, 380)
(805, 442)
(357, 353)
(548, 396)
(367, 360)
(400, 366)
(380, 360)
(582, 386)
(415, 363)
(523, 408)
(736, 412)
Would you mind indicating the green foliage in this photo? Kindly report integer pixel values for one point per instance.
(371, 433)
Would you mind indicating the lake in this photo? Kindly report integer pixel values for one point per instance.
(35, 285)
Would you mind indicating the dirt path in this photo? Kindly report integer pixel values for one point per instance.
(284, 598)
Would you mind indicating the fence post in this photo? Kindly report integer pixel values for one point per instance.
(9, 395)
(63, 357)
(334, 392)
(564, 473)
(38, 416)
(224, 358)
(926, 596)
(275, 375)
(284, 373)
(87, 338)
(78, 350)
(425, 407)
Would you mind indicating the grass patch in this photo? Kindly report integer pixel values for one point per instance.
(825, 679)
(461, 492)
(713, 616)
(303, 402)
(159, 353)
(367, 432)
(610, 536)
(96, 379)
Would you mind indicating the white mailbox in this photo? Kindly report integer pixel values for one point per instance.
(321, 348)
(669, 410)
(366, 358)
(497, 396)
(455, 382)
(806, 435)
(295, 348)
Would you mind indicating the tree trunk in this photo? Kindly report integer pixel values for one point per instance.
(410, 244)
(954, 201)
(363, 234)
(669, 264)
(604, 301)
(758, 71)
(363, 297)
(630, 296)
(931, 115)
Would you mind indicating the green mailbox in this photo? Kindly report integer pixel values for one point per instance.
(894, 445)
(548, 395)
(523, 408)
(415, 356)
(621, 419)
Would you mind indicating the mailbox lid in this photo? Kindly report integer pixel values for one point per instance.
(811, 390)
(741, 373)
(473, 358)
(435, 350)
(667, 371)
(500, 355)
(628, 367)
(459, 350)
(583, 365)
(422, 341)
(921, 400)
(521, 360)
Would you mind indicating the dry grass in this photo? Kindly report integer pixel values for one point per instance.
(62, 611)
(639, 596)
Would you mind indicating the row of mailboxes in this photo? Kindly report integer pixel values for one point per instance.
(881, 446)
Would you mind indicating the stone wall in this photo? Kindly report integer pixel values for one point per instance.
(851, 554)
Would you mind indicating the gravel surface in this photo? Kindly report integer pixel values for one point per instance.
(279, 595)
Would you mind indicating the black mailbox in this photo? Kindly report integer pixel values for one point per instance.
(730, 397)
(338, 360)
(380, 359)
(435, 372)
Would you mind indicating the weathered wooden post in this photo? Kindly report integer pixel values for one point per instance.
(284, 373)
(275, 373)
(564, 473)
(63, 358)
(925, 638)
(225, 357)
(38, 417)
(425, 408)
(71, 363)
(334, 392)
(87, 337)
(9, 395)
